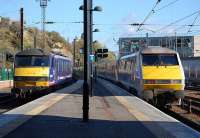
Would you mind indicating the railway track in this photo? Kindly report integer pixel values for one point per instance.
(193, 124)
(8, 102)
(191, 101)
(195, 88)
(191, 104)
(5, 99)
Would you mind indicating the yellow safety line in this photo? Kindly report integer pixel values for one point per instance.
(156, 130)
(46, 105)
(140, 116)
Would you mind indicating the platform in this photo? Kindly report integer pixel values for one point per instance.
(5, 86)
(113, 113)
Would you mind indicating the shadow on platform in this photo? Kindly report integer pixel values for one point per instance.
(56, 126)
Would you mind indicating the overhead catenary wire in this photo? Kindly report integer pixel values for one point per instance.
(167, 5)
(53, 22)
(179, 20)
(137, 24)
(148, 15)
(195, 19)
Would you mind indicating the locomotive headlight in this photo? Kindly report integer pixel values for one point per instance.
(149, 81)
(176, 81)
(162, 81)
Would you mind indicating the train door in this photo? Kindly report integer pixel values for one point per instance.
(138, 76)
(56, 68)
(133, 68)
(51, 69)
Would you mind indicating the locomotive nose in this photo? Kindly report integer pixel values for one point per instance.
(31, 77)
(162, 77)
(162, 73)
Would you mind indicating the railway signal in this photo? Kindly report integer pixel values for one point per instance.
(101, 53)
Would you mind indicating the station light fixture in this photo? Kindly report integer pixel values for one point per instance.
(96, 30)
(96, 8)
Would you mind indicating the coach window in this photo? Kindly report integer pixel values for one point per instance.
(125, 64)
(62, 66)
(58, 66)
(65, 66)
(68, 65)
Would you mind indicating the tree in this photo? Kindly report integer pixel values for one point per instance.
(10, 37)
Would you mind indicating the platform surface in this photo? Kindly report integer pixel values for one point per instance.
(5, 87)
(113, 113)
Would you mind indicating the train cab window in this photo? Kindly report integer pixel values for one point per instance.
(31, 61)
(40, 61)
(159, 59)
(150, 59)
(168, 59)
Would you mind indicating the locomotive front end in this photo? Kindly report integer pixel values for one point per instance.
(162, 75)
(31, 72)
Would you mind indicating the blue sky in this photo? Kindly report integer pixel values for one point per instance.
(115, 12)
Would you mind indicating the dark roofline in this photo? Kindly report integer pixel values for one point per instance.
(190, 58)
(157, 50)
(32, 52)
(143, 37)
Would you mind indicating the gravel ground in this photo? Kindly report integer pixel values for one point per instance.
(185, 114)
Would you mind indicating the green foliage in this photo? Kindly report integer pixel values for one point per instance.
(111, 56)
(78, 56)
(55, 37)
(10, 38)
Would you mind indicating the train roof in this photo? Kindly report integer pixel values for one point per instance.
(190, 58)
(129, 56)
(151, 50)
(157, 50)
(38, 52)
(32, 52)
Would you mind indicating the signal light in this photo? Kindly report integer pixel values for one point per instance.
(105, 55)
(102, 50)
(101, 53)
(105, 50)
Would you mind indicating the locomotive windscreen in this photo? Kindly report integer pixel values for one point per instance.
(21, 61)
(159, 59)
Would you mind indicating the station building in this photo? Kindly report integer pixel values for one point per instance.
(186, 46)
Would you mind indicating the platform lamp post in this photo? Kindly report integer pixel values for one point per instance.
(74, 53)
(91, 9)
(91, 64)
(87, 15)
